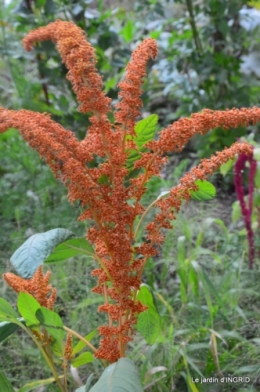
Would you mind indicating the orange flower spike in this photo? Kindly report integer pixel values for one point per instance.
(17, 283)
(183, 191)
(37, 286)
(68, 347)
(176, 135)
(130, 104)
(79, 57)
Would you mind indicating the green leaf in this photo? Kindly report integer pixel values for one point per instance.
(149, 321)
(70, 248)
(6, 311)
(37, 383)
(206, 191)
(5, 385)
(145, 130)
(80, 345)
(87, 386)
(28, 306)
(36, 249)
(256, 154)
(52, 322)
(226, 167)
(7, 329)
(133, 156)
(236, 211)
(82, 359)
(57, 348)
(121, 376)
(128, 31)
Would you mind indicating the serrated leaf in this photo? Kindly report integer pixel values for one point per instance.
(226, 167)
(36, 249)
(37, 383)
(5, 385)
(82, 359)
(80, 345)
(206, 191)
(70, 248)
(51, 322)
(28, 306)
(145, 130)
(149, 321)
(121, 376)
(7, 313)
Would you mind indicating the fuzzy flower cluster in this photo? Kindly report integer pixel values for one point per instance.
(38, 286)
(114, 204)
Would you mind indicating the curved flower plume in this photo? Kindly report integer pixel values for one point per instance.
(177, 135)
(130, 104)
(79, 57)
(109, 202)
(170, 205)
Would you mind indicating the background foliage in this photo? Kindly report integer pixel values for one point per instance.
(205, 293)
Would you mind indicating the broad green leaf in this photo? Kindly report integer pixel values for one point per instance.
(5, 385)
(226, 167)
(149, 321)
(36, 249)
(7, 313)
(52, 322)
(7, 328)
(121, 376)
(206, 191)
(80, 345)
(70, 248)
(145, 130)
(37, 383)
(82, 359)
(27, 306)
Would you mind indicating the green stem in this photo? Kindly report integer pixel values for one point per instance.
(194, 27)
(47, 358)
(87, 343)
